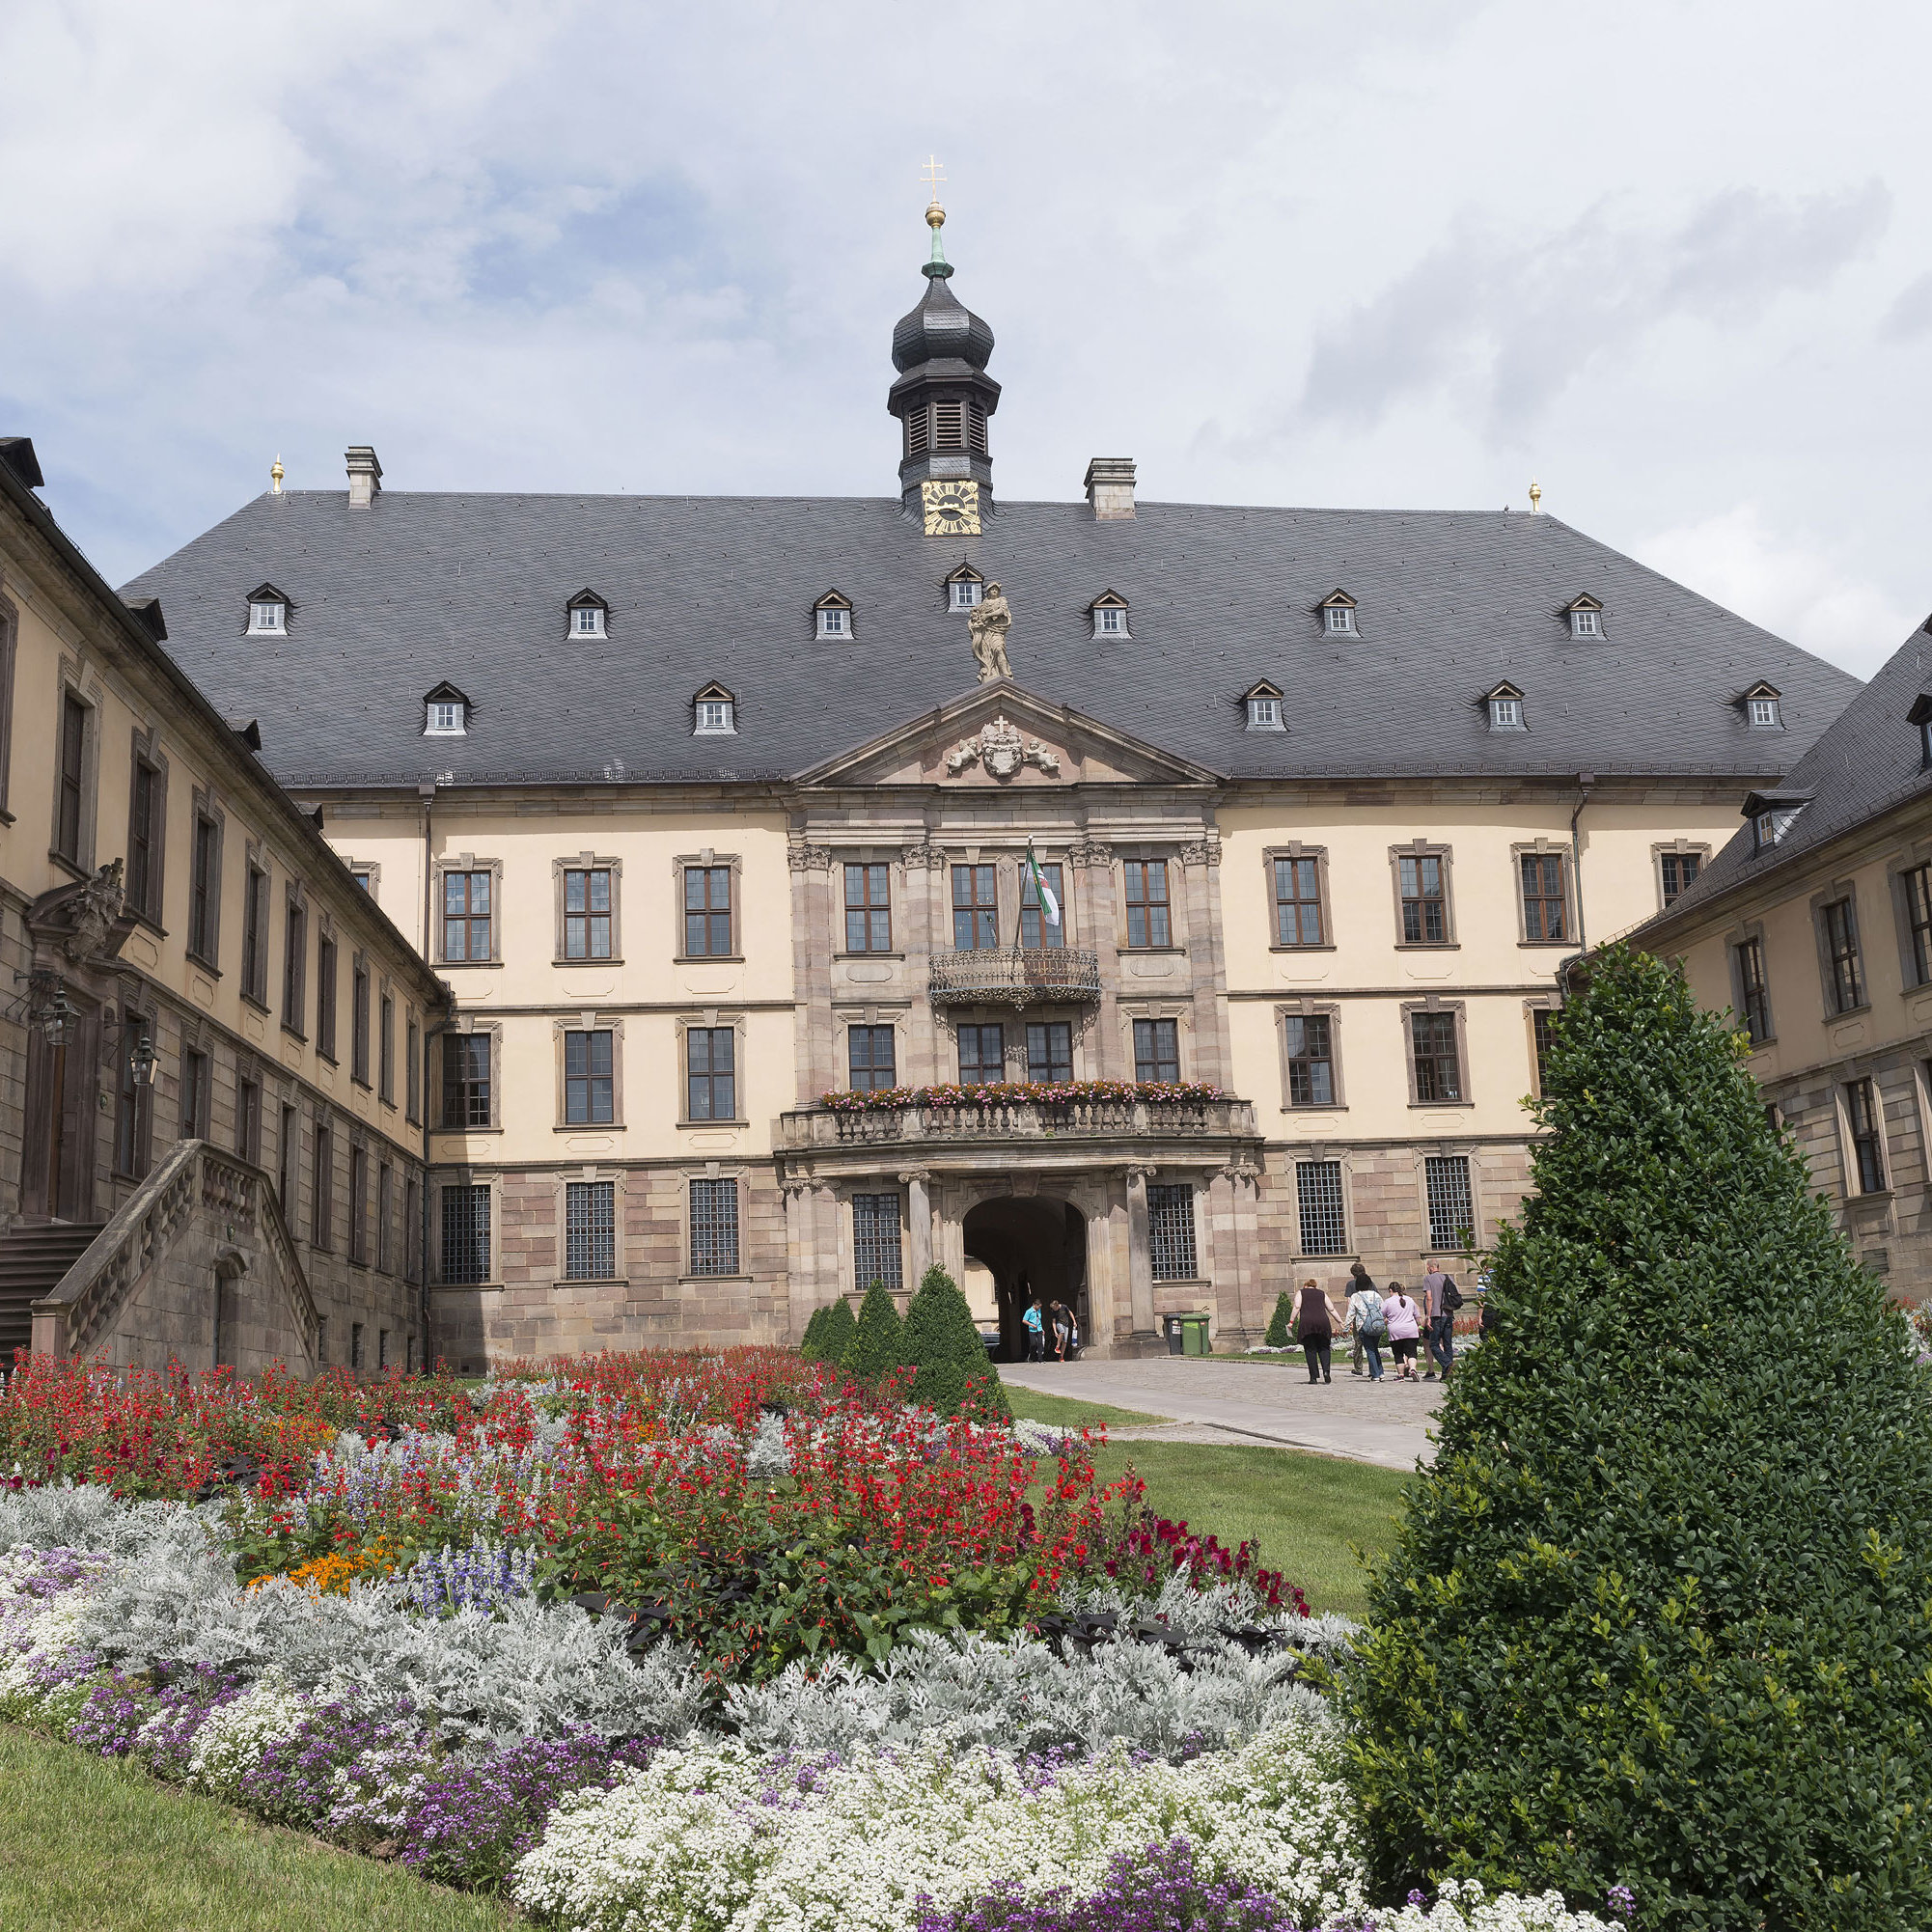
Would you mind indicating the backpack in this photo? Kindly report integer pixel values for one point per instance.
(1452, 1294)
(1374, 1323)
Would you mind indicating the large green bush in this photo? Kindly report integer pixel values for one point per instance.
(942, 1344)
(879, 1345)
(829, 1333)
(1282, 1324)
(1659, 1612)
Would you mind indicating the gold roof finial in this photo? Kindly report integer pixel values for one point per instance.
(275, 475)
(935, 215)
(1535, 496)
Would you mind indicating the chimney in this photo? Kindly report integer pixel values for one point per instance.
(1110, 487)
(365, 476)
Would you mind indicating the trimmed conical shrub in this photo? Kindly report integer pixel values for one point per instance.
(814, 1330)
(1282, 1327)
(942, 1344)
(879, 1345)
(1658, 1615)
(835, 1334)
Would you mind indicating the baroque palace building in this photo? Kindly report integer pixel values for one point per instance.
(708, 807)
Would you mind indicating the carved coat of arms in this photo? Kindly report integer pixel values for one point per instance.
(1000, 749)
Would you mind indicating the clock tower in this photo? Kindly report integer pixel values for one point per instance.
(942, 398)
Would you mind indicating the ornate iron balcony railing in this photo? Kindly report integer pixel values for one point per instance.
(1026, 977)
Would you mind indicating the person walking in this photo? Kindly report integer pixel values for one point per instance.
(1405, 1325)
(1367, 1324)
(1440, 1298)
(1035, 1332)
(1314, 1330)
(1063, 1330)
(1359, 1283)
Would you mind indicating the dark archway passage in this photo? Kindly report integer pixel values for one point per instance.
(1036, 1246)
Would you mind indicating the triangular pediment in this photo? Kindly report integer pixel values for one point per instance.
(998, 736)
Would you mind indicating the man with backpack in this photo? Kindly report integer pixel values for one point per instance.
(1440, 1297)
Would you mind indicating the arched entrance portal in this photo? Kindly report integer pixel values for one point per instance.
(1035, 1246)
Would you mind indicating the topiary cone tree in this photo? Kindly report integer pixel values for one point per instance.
(808, 1343)
(878, 1347)
(1281, 1325)
(835, 1335)
(1658, 1615)
(942, 1342)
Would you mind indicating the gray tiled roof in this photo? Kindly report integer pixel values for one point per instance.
(424, 586)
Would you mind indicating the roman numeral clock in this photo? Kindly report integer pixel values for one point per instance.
(951, 507)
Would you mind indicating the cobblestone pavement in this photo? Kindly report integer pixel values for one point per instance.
(1229, 1401)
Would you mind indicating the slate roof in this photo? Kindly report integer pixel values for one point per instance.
(1868, 762)
(423, 588)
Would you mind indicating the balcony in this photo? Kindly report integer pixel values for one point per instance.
(1016, 977)
(1016, 1121)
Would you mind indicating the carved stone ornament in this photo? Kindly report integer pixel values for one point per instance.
(1002, 749)
(1090, 852)
(1204, 853)
(83, 922)
(809, 858)
(924, 858)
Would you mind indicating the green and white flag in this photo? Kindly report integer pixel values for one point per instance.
(1049, 905)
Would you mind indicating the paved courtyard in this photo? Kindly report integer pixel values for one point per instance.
(1230, 1400)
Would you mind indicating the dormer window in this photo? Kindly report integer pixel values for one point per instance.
(1337, 613)
(446, 713)
(1921, 714)
(268, 612)
(1109, 613)
(833, 614)
(1586, 615)
(587, 615)
(1264, 708)
(714, 713)
(1772, 815)
(1505, 708)
(964, 589)
(1762, 710)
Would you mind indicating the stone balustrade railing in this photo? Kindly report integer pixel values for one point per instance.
(811, 1127)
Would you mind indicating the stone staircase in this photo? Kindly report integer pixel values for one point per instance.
(34, 1259)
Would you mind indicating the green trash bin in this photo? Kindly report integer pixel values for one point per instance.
(1193, 1335)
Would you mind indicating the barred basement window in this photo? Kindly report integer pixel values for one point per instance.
(467, 1233)
(1170, 1232)
(1452, 1205)
(714, 1227)
(1319, 1194)
(590, 1231)
(875, 1244)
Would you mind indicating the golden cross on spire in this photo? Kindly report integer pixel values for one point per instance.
(935, 178)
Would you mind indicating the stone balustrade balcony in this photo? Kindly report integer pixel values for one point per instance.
(1016, 977)
(1091, 1121)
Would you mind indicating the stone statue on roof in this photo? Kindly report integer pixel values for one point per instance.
(989, 620)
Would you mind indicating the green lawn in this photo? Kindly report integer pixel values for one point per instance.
(88, 1843)
(1305, 1510)
(1030, 1405)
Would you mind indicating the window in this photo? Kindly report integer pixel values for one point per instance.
(386, 1052)
(1110, 621)
(1845, 981)
(194, 1096)
(982, 1055)
(1148, 902)
(268, 617)
(1049, 1051)
(295, 958)
(322, 1189)
(1681, 872)
(1424, 901)
(364, 878)
(875, 1243)
(358, 1024)
(358, 1207)
(1035, 929)
(413, 1069)
(1452, 1205)
(385, 1209)
(963, 592)
(412, 1230)
(869, 1059)
(711, 1070)
(1156, 1051)
(255, 936)
(1310, 1059)
(718, 717)
(9, 641)
(1586, 622)
(446, 718)
(588, 620)
(325, 997)
(466, 915)
(834, 622)
(1506, 714)
(707, 911)
(1916, 885)
(589, 1084)
(1170, 1232)
(714, 1227)
(1338, 620)
(248, 1121)
(590, 1230)
(868, 918)
(204, 889)
(1542, 880)
(1324, 1225)
(1264, 714)
(1298, 902)
(466, 1094)
(70, 816)
(146, 836)
(355, 1344)
(288, 1151)
(1437, 1062)
(975, 916)
(1542, 1019)
(1864, 1115)
(467, 1233)
(587, 914)
(1764, 713)
(1753, 998)
(1769, 826)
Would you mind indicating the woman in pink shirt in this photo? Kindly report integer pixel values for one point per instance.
(1405, 1324)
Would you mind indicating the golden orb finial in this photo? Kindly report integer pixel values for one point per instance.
(1535, 497)
(275, 475)
(934, 176)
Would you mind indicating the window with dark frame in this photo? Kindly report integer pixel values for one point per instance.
(1147, 894)
(1324, 1221)
(412, 1069)
(975, 912)
(144, 841)
(1049, 1051)
(325, 997)
(255, 936)
(1917, 886)
(1035, 930)
(355, 1344)
(1866, 1120)
(1450, 1203)
(1846, 982)
(1425, 903)
(412, 1231)
(1543, 898)
(714, 1227)
(70, 819)
(358, 1206)
(132, 1102)
(1170, 1232)
(248, 1121)
(710, 1073)
(1298, 917)
(708, 912)
(590, 1230)
(288, 1159)
(1681, 872)
(1542, 1020)
(467, 1233)
(466, 917)
(1437, 1062)
(10, 644)
(871, 1059)
(385, 1214)
(875, 1240)
(587, 913)
(1156, 1051)
(194, 1096)
(322, 1189)
(982, 1055)
(204, 888)
(1311, 1044)
(868, 917)
(385, 1050)
(466, 1081)
(295, 958)
(589, 1080)
(1752, 992)
(358, 1024)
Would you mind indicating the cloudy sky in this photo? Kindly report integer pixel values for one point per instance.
(1673, 259)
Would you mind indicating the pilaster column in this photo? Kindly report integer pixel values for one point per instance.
(1092, 876)
(919, 1220)
(1139, 1257)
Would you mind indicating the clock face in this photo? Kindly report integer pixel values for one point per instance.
(951, 509)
